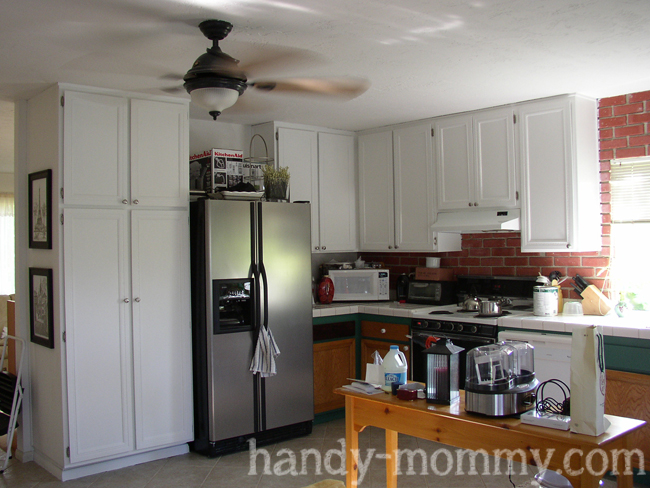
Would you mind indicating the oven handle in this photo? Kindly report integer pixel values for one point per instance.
(420, 337)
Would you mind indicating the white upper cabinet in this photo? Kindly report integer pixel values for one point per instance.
(376, 192)
(159, 154)
(337, 186)
(454, 162)
(413, 182)
(495, 172)
(558, 144)
(95, 148)
(396, 192)
(475, 160)
(118, 151)
(322, 168)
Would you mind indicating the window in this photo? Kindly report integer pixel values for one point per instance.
(7, 254)
(630, 265)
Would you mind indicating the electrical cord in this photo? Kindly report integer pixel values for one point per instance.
(550, 404)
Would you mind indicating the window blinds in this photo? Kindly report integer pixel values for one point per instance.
(630, 186)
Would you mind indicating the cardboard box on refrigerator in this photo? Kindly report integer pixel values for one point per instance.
(220, 169)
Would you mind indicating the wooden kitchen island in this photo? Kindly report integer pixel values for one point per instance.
(453, 426)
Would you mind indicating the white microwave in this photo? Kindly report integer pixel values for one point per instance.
(356, 285)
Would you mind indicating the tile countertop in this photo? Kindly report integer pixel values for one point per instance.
(390, 309)
(634, 325)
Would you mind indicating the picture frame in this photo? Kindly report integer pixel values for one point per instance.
(40, 210)
(41, 307)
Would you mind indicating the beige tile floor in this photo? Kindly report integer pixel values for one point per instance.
(237, 471)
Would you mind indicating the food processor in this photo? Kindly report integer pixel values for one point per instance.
(500, 379)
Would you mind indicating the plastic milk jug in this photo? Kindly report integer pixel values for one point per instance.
(395, 368)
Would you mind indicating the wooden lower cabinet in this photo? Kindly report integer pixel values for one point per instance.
(334, 363)
(369, 346)
(627, 396)
(379, 336)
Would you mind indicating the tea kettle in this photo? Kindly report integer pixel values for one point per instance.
(402, 287)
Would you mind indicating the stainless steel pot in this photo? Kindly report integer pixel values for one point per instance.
(490, 307)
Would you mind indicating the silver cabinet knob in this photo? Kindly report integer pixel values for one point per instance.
(126, 300)
(137, 299)
(136, 201)
(323, 248)
(396, 247)
(390, 247)
(470, 204)
(476, 204)
(317, 248)
(383, 331)
(125, 201)
(405, 348)
(568, 246)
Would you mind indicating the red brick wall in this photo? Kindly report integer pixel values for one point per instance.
(624, 123)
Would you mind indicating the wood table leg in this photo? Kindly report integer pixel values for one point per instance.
(391, 459)
(351, 445)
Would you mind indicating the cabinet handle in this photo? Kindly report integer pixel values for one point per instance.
(396, 247)
(317, 248)
(137, 299)
(405, 348)
(470, 204)
(476, 204)
(568, 246)
(383, 331)
(125, 201)
(323, 248)
(136, 201)
(390, 247)
(126, 300)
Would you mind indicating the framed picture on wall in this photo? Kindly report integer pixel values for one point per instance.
(40, 210)
(41, 307)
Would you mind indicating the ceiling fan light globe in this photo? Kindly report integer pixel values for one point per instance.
(214, 98)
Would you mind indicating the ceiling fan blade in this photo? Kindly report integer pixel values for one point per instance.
(343, 88)
(271, 60)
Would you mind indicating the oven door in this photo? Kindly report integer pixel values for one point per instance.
(418, 345)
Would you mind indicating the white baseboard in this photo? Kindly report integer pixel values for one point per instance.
(75, 472)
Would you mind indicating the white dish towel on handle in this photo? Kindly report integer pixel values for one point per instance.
(266, 351)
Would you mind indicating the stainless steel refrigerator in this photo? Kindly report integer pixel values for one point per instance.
(251, 268)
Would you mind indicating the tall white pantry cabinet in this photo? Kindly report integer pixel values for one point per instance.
(120, 199)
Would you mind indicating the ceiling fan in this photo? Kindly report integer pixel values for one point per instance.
(215, 81)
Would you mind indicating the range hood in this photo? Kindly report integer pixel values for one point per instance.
(468, 221)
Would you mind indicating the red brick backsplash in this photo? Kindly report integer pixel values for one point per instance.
(624, 123)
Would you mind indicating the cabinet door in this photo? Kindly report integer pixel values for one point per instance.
(159, 153)
(95, 149)
(298, 149)
(337, 184)
(162, 355)
(414, 175)
(495, 170)
(454, 162)
(98, 333)
(545, 145)
(334, 363)
(376, 200)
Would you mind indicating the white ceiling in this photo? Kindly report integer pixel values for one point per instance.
(423, 57)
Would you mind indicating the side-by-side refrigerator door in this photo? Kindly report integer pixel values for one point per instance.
(230, 313)
(286, 255)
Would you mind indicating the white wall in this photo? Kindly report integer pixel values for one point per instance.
(209, 134)
(6, 182)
